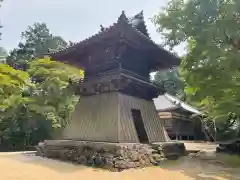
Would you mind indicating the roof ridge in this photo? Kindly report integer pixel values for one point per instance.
(122, 18)
(169, 99)
(150, 40)
(140, 16)
(181, 103)
(90, 37)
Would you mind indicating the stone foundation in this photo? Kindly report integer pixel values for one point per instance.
(111, 156)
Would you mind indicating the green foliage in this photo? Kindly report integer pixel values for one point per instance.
(37, 41)
(12, 103)
(210, 70)
(36, 102)
(171, 81)
(52, 87)
(11, 81)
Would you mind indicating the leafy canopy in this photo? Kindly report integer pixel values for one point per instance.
(210, 70)
(171, 81)
(12, 83)
(37, 41)
(36, 102)
(52, 88)
(35, 95)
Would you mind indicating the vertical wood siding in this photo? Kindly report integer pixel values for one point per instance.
(152, 123)
(108, 117)
(95, 119)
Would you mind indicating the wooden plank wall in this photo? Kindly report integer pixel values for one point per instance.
(173, 115)
(153, 125)
(107, 117)
(95, 119)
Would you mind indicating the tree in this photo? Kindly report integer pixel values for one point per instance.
(210, 70)
(35, 103)
(12, 103)
(171, 81)
(43, 105)
(37, 41)
(52, 86)
(211, 67)
(12, 82)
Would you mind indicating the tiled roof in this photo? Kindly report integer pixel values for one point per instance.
(122, 19)
(168, 102)
(138, 22)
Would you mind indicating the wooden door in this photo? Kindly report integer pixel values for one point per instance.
(139, 125)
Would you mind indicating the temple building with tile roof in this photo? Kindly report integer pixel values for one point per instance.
(116, 103)
(181, 121)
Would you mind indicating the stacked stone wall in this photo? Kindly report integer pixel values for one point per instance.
(111, 156)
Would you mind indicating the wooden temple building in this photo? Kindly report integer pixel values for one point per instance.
(116, 103)
(181, 121)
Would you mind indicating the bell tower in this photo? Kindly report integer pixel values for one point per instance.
(116, 93)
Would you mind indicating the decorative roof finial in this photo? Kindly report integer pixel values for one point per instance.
(122, 17)
(138, 22)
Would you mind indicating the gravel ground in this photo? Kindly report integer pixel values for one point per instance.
(29, 167)
(203, 146)
(26, 166)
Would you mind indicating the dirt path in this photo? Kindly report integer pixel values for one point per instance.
(29, 167)
(203, 146)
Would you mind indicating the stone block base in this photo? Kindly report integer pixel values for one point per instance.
(111, 156)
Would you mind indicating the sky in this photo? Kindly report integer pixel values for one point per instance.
(73, 20)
